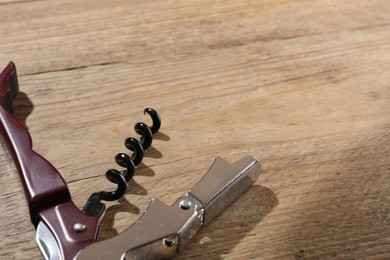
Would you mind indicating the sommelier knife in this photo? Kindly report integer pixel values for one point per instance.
(65, 232)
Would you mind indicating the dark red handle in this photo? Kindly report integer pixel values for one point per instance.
(46, 192)
(40, 179)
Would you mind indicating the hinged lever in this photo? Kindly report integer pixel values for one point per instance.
(163, 231)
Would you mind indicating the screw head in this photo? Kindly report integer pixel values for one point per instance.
(185, 204)
(78, 227)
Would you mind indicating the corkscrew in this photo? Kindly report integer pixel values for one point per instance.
(65, 232)
(94, 206)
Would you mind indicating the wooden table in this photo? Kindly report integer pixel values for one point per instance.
(303, 86)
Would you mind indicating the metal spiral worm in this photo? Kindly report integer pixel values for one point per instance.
(147, 132)
(94, 207)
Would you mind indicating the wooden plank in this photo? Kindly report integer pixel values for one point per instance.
(303, 86)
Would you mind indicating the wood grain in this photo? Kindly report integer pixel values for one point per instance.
(303, 86)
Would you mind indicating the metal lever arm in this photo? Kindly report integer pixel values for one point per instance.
(163, 231)
(47, 194)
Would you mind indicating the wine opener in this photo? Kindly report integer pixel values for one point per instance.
(65, 232)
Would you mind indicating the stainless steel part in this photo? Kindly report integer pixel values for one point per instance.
(163, 231)
(47, 243)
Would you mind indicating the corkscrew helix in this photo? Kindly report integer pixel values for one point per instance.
(94, 207)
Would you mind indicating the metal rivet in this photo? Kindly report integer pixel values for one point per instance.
(185, 204)
(78, 227)
(170, 241)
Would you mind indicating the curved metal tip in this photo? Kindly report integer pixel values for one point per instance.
(155, 118)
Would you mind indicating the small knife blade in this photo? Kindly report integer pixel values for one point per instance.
(47, 243)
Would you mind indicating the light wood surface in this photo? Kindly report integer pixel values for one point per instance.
(303, 86)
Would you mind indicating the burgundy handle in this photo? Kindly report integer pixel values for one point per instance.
(47, 194)
(39, 178)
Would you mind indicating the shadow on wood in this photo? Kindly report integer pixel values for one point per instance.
(23, 107)
(161, 136)
(152, 152)
(143, 170)
(232, 225)
(106, 226)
